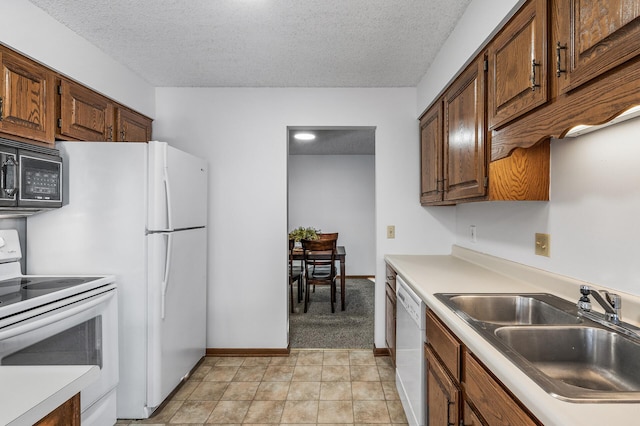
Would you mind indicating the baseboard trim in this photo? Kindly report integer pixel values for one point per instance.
(247, 352)
(381, 351)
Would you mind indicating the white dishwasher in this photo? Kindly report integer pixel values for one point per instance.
(410, 337)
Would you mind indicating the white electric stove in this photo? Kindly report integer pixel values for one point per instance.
(60, 320)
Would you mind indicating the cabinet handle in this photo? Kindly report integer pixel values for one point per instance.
(1, 109)
(534, 64)
(559, 69)
(122, 135)
(110, 137)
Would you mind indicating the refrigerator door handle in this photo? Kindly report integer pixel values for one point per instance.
(165, 279)
(167, 187)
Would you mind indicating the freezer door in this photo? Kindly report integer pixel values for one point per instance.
(176, 309)
(177, 189)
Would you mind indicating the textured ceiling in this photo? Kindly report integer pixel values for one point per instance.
(266, 43)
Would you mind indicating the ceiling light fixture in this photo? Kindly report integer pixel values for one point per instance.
(304, 136)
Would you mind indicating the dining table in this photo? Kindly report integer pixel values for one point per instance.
(341, 254)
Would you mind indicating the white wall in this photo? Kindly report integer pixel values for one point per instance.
(592, 216)
(595, 197)
(243, 134)
(29, 30)
(336, 193)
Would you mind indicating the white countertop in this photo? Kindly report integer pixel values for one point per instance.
(466, 271)
(28, 393)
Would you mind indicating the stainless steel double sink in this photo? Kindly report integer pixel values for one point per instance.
(570, 356)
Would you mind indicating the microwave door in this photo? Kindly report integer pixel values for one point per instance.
(8, 177)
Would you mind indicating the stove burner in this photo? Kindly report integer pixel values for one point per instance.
(51, 285)
(20, 289)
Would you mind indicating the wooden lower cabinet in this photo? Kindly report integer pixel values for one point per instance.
(443, 393)
(68, 414)
(469, 416)
(460, 389)
(390, 312)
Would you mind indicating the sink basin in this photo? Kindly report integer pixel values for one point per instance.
(511, 309)
(570, 356)
(581, 362)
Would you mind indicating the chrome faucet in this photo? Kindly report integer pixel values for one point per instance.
(612, 305)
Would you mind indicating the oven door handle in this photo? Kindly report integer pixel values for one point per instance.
(81, 306)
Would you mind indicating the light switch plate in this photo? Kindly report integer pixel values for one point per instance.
(391, 231)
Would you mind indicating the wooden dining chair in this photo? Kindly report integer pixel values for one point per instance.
(329, 236)
(319, 271)
(295, 275)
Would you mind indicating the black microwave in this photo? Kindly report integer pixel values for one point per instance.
(30, 178)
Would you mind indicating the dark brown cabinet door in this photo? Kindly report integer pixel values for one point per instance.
(593, 37)
(390, 322)
(26, 98)
(132, 127)
(84, 114)
(443, 395)
(431, 155)
(517, 62)
(465, 163)
(470, 416)
(67, 414)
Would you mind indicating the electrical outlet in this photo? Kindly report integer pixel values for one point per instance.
(543, 245)
(473, 236)
(391, 231)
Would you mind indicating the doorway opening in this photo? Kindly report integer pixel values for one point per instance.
(331, 187)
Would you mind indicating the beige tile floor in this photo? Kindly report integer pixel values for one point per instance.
(310, 387)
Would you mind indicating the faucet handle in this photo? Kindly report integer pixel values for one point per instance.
(584, 303)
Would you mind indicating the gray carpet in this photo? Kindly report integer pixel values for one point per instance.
(348, 329)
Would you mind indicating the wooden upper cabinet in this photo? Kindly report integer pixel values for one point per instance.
(518, 65)
(26, 98)
(132, 127)
(593, 37)
(431, 155)
(84, 114)
(465, 162)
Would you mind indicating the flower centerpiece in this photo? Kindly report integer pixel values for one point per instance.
(302, 233)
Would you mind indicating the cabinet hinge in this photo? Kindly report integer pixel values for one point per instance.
(60, 123)
(59, 89)
(486, 181)
(486, 65)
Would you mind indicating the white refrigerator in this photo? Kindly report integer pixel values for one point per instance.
(137, 211)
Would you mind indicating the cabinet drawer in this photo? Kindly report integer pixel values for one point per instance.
(444, 344)
(493, 402)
